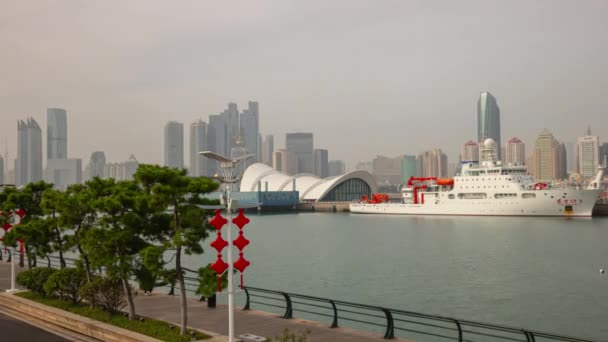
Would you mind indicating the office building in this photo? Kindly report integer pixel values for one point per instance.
(470, 151)
(433, 163)
(409, 168)
(96, 166)
(604, 154)
(250, 130)
(285, 161)
(588, 154)
(336, 168)
(174, 145)
(545, 164)
(122, 171)
(28, 165)
(488, 120)
(57, 133)
(562, 161)
(515, 152)
(321, 163)
(63, 172)
(387, 170)
(301, 144)
(198, 143)
(267, 150)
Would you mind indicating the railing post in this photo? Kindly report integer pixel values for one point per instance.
(288, 309)
(459, 330)
(246, 300)
(390, 329)
(529, 336)
(334, 324)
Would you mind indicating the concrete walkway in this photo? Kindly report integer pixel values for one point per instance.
(164, 307)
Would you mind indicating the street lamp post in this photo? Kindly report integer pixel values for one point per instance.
(230, 174)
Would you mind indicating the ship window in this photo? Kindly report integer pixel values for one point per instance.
(504, 195)
(473, 195)
(451, 196)
(528, 195)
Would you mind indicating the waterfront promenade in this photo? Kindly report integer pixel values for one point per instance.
(165, 307)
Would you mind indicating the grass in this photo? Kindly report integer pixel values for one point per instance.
(149, 327)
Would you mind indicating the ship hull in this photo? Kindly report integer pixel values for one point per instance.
(554, 202)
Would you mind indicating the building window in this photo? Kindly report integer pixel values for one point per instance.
(347, 191)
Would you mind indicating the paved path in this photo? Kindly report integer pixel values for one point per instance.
(166, 308)
(15, 330)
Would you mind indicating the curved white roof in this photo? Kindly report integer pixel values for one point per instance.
(310, 187)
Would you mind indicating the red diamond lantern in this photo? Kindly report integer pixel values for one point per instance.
(219, 266)
(219, 243)
(241, 242)
(241, 264)
(240, 220)
(218, 221)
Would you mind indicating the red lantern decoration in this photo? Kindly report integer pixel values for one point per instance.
(241, 242)
(219, 266)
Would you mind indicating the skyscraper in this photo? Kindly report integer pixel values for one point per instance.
(433, 163)
(515, 152)
(63, 172)
(321, 163)
(409, 168)
(604, 154)
(217, 135)
(198, 143)
(267, 150)
(336, 168)
(387, 170)
(96, 165)
(470, 151)
(250, 129)
(174, 145)
(121, 171)
(546, 157)
(562, 161)
(231, 119)
(285, 161)
(57, 133)
(588, 148)
(488, 120)
(301, 144)
(28, 165)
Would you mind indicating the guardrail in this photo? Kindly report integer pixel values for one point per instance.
(392, 321)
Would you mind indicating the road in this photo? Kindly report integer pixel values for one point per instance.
(15, 330)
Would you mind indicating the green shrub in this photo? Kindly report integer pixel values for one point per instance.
(107, 293)
(287, 336)
(35, 279)
(66, 283)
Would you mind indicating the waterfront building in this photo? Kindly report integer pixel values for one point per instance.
(121, 171)
(285, 161)
(174, 145)
(409, 168)
(488, 120)
(96, 166)
(56, 134)
(470, 151)
(249, 131)
(588, 154)
(63, 172)
(433, 163)
(515, 152)
(301, 144)
(336, 168)
(343, 188)
(387, 170)
(2, 180)
(198, 143)
(268, 150)
(546, 158)
(321, 162)
(28, 165)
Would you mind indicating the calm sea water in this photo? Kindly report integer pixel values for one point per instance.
(538, 273)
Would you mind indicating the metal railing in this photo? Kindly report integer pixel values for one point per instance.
(392, 321)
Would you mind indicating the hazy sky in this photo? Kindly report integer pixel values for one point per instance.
(366, 77)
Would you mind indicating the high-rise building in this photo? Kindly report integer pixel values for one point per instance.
(2, 180)
(470, 151)
(409, 168)
(198, 143)
(562, 161)
(515, 152)
(56, 134)
(28, 165)
(267, 150)
(217, 138)
(604, 154)
(63, 172)
(571, 157)
(301, 144)
(250, 130)
(488, 120)
(96, 166)
(285, 161)
(588, 148)
(231, 118)
(321, 163)
(433, 163)
(174, 145)
(387, 170)
(546, 158)
(336, 168)
(122, 171)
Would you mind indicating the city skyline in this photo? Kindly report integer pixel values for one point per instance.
(196, 66)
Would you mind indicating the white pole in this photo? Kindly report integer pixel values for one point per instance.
(230, 267)
(12, 272)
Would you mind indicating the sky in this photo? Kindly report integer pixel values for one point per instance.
(368, 78)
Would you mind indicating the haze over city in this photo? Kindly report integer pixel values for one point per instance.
(365, 77)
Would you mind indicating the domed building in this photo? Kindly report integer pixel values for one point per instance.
(344, 188)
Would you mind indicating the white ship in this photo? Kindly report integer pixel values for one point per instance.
(486, 188)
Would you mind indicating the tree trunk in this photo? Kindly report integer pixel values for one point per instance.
(59, 243)
(48, 260)
(131, 304)
(85, 259)
(182, 290)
